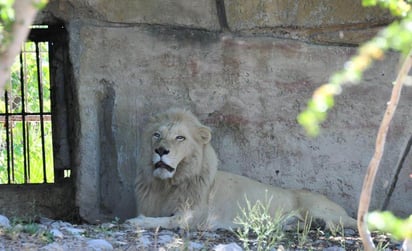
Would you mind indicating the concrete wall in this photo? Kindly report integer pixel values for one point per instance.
(246, 68)
(27, 202)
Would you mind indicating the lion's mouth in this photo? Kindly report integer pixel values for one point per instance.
(163, 165)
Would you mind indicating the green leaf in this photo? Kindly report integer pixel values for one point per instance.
(387, 222)
(367, 3)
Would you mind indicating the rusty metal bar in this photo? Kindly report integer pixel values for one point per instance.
(29, 117)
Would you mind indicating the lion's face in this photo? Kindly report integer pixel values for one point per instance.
(175, 143)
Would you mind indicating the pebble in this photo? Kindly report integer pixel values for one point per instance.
(165, 239)
(4, 222)
(18, 228)
(108, 225)
(334, 248)
(59, 224)
(99, 245)
(57, 233)
(349, 232)
(74, 231)
(145, 241)
(52, 247)
(195, 246)
(228, 247)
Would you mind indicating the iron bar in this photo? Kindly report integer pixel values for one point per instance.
(26, 128)
(6, 104)
(23, 67)
(26, 115)
(40, 90)
(12, 154)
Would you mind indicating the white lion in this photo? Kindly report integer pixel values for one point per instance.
(178, 184)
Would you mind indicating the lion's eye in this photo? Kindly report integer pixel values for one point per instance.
(156, 135)
(180, 138)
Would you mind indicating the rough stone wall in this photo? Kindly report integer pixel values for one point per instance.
(246, 68)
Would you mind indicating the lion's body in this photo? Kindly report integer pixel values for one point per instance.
(186, 190)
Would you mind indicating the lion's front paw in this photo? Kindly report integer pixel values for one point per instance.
(136, 222)
(152, 222)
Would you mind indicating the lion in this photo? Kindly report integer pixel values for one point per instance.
(178, 184)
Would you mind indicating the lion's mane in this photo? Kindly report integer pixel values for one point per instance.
(193, 178)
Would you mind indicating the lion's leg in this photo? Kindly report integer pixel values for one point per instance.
(330, 220)
(320, 207)
(150, 222)
(164, 222)
(342, 221)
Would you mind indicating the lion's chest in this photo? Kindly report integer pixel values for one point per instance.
(160, 202)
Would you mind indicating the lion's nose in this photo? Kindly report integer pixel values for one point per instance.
(161, 151)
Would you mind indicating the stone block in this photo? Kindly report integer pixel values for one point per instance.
(252, 14)
(180, 13)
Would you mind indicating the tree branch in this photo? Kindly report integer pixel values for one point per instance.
(25, 12)
(369, 179)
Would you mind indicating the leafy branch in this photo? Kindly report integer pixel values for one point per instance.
(373, 167)
(387, 222)
(396, 36)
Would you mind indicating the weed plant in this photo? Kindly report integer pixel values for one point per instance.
(258, 228)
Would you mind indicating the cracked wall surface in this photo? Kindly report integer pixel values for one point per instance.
(246, 68)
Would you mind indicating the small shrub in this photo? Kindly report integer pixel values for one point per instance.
(257, 227)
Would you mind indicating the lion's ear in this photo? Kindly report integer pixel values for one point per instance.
(205, 134)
